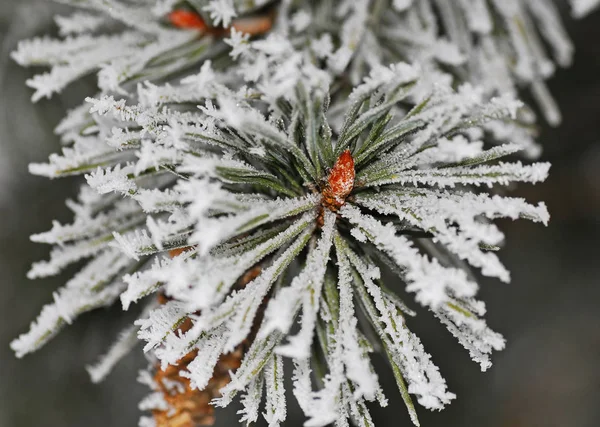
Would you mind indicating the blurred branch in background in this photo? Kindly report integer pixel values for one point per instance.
(50, 388)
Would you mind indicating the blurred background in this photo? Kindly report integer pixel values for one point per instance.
(549, 374)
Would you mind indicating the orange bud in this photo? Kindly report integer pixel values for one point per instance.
(340, 183)
(254, 26)
(341, 177)
(175, 252)
(187, 19)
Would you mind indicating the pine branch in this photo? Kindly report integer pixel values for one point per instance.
(256, 164)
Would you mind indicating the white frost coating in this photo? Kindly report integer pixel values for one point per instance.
(84, 151)
(251, 297)
(154, 401)
(549, 21)
(395, 74)
(275, 410)
(472, 332)
(277, 67)
(358, 410)
(67, 305)
(427, 278)
(346, 362)
(201, 194)
(492, 44)
(75, 119)
(62, 256)
(200, 370)
(159, 323)
(155, 200)
(167, 234)
(304, 290)
(302, 384)
(152, 155)
(209, 231)
(117, 109)
(353, 29)
(147, 422)
(47, 51)
(580, 8)
(450, 150)
(131, 244)
(257, 356)
(512, 132)
(300, 20)
(162, 7)
(78, 23)
(355, 358)
(453, 220)
(238, 42)
(72, 58)
(192, 88)
(236, 313)
(323, 407)
(358, 367)
(112, 180)
(423, 377)
(125, 343)
(125, 67)
(251, 401)
(92, 287)
(217, 274)
(142, 283)
(448, 53)
(478, 15)
(236, 116)
(221, 12)
(138, 18)
(502, 173)
(401, 5)
(125, 213)
(229, 165)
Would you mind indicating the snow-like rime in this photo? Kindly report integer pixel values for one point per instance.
(259, 167)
